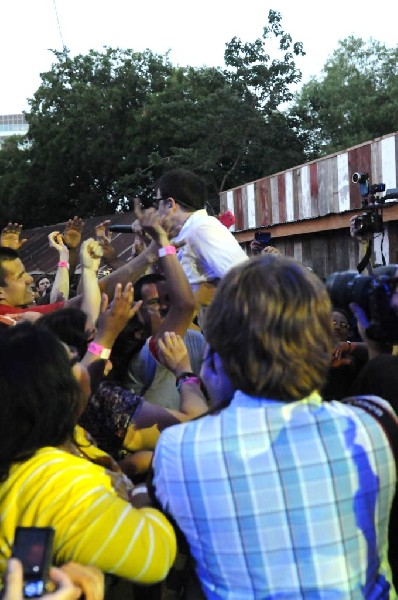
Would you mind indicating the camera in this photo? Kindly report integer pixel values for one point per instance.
(33, 547)
(373, 293)
(371, 220)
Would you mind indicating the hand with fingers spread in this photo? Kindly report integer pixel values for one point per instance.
(90, 254)
(72, 234)
(11, 236)
(114, 319)
(65, 588)
(173, 353)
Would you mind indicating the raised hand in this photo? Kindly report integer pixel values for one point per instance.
(114, 319)
(101, 231)
(56, 241)
(72, 234)
(150, 223)
(90, 254)
(173, 353)
(11, 236)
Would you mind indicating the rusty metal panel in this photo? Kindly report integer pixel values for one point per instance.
(282, 197)
(289, 201)
(305, 209)
(343, 186)
(275, 199)
(314, 189)
(296, 175)
(251, 206)
(238, 208)
(245, 207)
(325, 186)
(263, 202)
(359, 161)
(388, 160)
(223, 201)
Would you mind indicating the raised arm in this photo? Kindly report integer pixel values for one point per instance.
(90, 257)
(72, 237)
(60, 286)
(182, 303)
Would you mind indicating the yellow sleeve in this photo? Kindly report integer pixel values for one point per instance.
(92, 524)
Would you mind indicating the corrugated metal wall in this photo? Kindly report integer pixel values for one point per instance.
(314, 189)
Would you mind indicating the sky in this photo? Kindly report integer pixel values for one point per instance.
(195, 34)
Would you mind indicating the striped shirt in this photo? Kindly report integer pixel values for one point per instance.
(281, 500)
(92, 524)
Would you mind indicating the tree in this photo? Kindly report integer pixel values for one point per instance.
(104, 126)
(355, 100)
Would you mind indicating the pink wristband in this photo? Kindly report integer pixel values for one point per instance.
(63, 263)
(99, 350)
(165, 250)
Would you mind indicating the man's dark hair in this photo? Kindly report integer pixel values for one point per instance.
(69, 325)
(6, 254)
(187, 188)
(146, 280)
(40, 398)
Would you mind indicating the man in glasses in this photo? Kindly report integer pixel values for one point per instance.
(208, 249)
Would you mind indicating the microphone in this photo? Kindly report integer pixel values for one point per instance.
(121, 228)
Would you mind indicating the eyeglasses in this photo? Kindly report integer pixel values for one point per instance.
(341, 325)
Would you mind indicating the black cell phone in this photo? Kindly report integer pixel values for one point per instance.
(263, 237)
(33, 546)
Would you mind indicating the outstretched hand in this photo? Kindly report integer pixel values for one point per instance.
(173, 353)
(11, 236)
(115, 318)
(73, 232)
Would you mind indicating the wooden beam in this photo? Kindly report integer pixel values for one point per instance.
(326, 223)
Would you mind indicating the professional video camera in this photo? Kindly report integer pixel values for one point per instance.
(371, 220)
(373, 294)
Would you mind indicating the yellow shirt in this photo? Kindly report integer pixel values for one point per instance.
(93, 525)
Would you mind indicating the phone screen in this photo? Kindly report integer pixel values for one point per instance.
(33, 547)
(263, 238)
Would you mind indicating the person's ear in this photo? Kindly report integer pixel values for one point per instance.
(171, 204)
(2, 294)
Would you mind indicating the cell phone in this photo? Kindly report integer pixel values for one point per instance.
(33, 546)
(263, 237)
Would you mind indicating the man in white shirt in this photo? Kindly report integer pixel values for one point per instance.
(208, 248)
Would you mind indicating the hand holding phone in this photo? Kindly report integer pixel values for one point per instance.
(33, 546)
(263, 238)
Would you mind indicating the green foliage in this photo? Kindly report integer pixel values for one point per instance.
(104, 126)
(355, 100)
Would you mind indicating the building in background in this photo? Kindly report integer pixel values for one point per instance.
(12, 125)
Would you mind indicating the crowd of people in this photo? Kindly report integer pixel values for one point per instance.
(197, 423)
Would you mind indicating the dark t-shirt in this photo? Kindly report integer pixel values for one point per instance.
(379, 377)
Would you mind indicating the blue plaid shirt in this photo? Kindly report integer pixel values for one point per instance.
(282, 500)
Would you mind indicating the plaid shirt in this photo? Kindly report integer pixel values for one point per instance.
(282, 500)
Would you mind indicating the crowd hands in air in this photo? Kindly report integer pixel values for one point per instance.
(157, 391)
